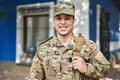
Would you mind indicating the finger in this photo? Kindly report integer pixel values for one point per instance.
(75, 61)
(76, 66)
(75, 57)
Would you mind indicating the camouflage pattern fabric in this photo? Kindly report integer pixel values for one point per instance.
(64, 7)
(52, 61)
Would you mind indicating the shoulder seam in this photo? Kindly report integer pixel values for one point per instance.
(45, 41)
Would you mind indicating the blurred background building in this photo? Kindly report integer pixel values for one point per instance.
(26, 23)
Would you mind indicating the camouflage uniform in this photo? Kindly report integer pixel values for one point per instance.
(52, 61)
(64, 7)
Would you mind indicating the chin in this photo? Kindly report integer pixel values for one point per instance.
(63, 34)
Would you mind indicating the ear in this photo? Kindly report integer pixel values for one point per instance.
(75, 22)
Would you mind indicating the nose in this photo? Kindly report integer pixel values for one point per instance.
(63, 21)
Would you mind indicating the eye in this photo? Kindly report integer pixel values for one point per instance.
(58, 18)
(67, 18)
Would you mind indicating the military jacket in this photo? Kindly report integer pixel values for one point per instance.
(52, 61)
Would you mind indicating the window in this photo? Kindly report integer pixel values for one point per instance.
(33, 26)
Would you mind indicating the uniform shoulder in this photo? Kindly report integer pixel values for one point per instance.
(86, 40)
(89, 43)
(45, 41)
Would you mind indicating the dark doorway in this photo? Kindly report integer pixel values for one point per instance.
(104, 32)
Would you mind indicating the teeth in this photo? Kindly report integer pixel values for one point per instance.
(63, 26)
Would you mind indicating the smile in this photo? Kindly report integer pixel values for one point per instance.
(63, 27)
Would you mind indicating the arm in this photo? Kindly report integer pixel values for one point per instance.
(36, 70)
(98, 65)
(91, 61)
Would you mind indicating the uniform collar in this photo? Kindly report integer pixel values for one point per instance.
(58, 43)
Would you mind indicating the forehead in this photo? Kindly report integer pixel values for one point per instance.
(65, 15)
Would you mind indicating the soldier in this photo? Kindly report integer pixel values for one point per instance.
(66, 56)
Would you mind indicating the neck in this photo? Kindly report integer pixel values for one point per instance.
(66, 38)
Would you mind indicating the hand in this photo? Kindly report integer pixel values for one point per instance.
(79, 64)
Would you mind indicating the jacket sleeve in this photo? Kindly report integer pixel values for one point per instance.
(98, 65)
(36, 70)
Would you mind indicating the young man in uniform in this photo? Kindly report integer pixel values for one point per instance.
(65, 56)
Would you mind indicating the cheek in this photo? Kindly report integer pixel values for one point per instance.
(71, 23)
(55, 24)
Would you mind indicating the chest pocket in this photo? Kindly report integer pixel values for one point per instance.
(51, 68)
(56, 69)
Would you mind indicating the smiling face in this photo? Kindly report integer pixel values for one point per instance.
(64, 24)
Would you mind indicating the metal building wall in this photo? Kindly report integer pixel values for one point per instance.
(8, 27)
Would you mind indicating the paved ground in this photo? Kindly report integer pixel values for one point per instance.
(114, 73)
(11, 71)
